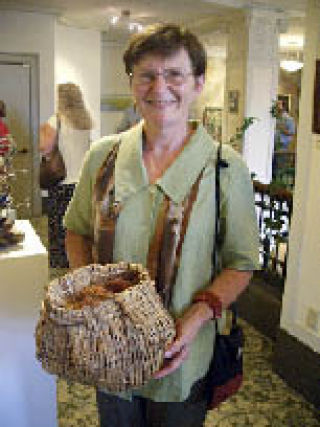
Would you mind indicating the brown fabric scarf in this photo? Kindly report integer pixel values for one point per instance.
(165, 247)
(105, 210)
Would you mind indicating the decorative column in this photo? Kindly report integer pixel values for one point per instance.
(261, 89)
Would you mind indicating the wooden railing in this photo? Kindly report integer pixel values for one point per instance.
(274, 209)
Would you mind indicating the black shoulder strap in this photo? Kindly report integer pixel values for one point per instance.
(220, 163)
(58, 122)
(58, 131)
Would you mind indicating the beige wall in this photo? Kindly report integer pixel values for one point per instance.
(213, 92)
(77, 60)
(63, 52)
(302, 290)
(114, 81)
(32, 33)
(236, 73)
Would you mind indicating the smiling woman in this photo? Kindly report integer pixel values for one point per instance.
(157, 180)
(165, 79)
(164, 89)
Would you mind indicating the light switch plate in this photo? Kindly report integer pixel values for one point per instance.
(313, 319)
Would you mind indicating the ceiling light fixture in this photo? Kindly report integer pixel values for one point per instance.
(291, 65)
(123, 21)
(114, 19)
(135, 26)
(291, 61)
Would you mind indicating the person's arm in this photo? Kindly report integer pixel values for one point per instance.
(79, 249)
(239, 256)
(47, 137)
(288, 131)
(291, 128)
(226, 287)
(78, 218)
(287, 126)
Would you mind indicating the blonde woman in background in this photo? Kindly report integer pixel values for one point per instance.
(73, 123)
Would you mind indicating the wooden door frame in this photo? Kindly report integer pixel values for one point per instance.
(316, 103)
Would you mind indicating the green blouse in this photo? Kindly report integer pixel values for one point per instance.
(136, 223)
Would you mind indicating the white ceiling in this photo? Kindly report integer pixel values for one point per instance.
(198, 15)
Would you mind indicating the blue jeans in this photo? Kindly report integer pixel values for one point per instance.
(141, 412)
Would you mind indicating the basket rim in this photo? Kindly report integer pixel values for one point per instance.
(58, 310)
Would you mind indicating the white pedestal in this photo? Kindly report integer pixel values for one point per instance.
(27, 393)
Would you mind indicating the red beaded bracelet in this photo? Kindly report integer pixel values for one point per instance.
(211, 300)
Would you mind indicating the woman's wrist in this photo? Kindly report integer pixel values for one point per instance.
(204, 312)
(211, 300)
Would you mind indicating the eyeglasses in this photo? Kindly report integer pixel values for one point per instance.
(171, 76)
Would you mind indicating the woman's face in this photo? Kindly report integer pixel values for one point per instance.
(164, 88)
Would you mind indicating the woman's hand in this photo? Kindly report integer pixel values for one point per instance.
(187, 328)
(79, 249)
(47, 138)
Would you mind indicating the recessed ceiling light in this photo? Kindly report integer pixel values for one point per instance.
(114, 19)
(291, 66)
(291, 60)
(135, 26)
(122, 22)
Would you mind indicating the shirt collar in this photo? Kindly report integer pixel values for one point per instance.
(178, 179)
(176, 182)
(130, 173)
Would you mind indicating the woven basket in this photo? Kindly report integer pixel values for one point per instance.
(117, 344)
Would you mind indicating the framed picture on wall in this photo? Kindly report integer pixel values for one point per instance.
(316, 103)
(286, 101)
(212, 121)
(233, 101)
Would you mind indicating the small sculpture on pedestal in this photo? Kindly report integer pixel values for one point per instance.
(8, 236)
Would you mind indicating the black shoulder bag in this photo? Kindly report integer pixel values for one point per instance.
(226, 370)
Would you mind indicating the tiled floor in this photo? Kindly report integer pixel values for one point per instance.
(264, 400)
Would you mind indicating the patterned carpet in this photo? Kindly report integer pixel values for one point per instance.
(264, 400)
